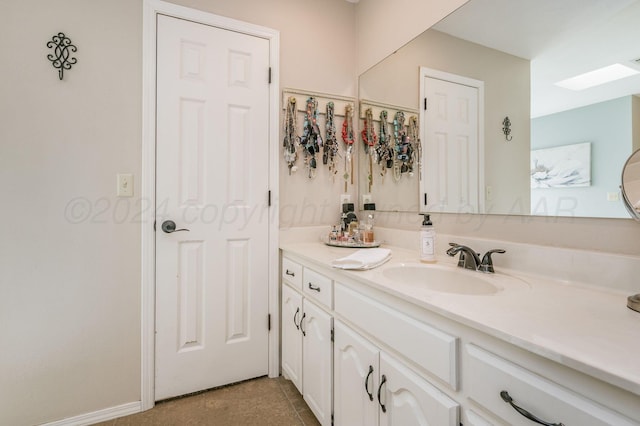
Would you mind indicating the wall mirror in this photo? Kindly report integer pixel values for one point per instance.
(569, 139)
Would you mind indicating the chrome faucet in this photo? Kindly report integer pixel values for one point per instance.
(469, 259)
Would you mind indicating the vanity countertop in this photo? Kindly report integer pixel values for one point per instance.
(589, 329)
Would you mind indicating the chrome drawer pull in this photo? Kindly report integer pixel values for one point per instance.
(506, 398)
(314, 287)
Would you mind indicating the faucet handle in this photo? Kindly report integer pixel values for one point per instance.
(487, 263)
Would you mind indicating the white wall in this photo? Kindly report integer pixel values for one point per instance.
(383, 26)
(69, 292)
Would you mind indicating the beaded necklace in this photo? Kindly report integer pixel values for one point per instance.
(348, 139)
(291, 139)
(369, 136)
(414, 137)
(403, 146)
(370, 139)
(311, 139)
(384, 149)
(330, 141)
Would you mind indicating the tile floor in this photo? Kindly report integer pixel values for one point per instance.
(262, 401)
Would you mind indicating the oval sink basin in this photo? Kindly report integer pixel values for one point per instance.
(451, 280)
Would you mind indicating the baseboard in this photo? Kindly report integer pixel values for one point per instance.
(99, 416)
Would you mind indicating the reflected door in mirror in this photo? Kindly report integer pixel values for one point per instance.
(451, 179)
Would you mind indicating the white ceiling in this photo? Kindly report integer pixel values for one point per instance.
(562, 38)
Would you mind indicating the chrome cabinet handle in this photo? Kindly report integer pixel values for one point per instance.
(366, 383)
(507, 398)
(294, 318)
(291, 274)
(169, 227)
(304, 333)
(383, 380)
(314, 287)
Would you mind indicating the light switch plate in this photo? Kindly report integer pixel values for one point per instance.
(125, 185)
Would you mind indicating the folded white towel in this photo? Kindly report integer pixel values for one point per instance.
(363, 259)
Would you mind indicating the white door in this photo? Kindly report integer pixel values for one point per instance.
(355, 378)
(292, 336)
(317, 353)
(212, 179)
(450, 137)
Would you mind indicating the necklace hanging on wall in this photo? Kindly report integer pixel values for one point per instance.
(330, 150)
(348, 138)
(383, 148)
(370, 140)
(402, 148)
(311, 140)
(414, 138)
(291, 139)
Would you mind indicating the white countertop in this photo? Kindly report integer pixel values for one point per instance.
(586, 328)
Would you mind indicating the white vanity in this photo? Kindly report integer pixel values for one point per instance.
(377, 347)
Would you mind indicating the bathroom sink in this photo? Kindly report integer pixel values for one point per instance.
(451, 279)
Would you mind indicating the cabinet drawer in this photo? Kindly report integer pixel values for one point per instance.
(292, 273)
(318, 287)
(487, 375)
(428, 347)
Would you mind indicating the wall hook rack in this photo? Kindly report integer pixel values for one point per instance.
(506, 128)
(61, 57)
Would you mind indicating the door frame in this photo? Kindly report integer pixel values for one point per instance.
(465, 81)
(152, 8)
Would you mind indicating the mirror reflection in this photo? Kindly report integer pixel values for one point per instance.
(569, 140)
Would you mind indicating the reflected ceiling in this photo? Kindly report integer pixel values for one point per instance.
(561, 38)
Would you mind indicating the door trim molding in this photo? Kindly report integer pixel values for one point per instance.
(152, 8)
(466, 81)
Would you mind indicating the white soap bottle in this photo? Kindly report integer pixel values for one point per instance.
(427, 241)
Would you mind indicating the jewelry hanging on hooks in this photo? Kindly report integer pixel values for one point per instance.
(311, 139)
(291, 139)
(370, 140)
(402, 147)
(384, 149)
(330, 142)
(416, 151)
(348, 139)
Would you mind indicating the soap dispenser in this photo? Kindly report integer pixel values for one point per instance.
(427, 240)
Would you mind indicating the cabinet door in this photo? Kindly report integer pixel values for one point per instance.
(408, 399)
(355, 378)
(291, 336)
(316, 362)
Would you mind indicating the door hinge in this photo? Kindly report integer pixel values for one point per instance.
(269, 322)
(331, 419)
(269, 75)
(425, 104)
(269, 198)
(425, 198)
(332, 333)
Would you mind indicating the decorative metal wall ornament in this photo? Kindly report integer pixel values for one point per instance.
(61, 58)
(506, 129)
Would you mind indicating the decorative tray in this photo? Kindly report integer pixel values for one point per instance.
(350, 244)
